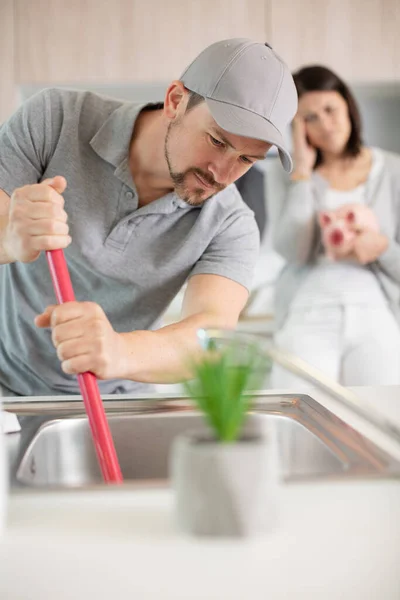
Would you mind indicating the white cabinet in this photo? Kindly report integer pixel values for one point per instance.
(357, 38)
(7, 59)
(144, 41)
(124, 40)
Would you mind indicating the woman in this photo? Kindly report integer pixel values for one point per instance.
(340, 315)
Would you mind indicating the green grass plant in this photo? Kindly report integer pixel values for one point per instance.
(222, 386)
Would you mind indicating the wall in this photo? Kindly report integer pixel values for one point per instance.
(8, 92)
(150, 41)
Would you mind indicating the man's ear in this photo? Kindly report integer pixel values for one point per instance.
(176, 98)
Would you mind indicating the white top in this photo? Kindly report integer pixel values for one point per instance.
(345, 281)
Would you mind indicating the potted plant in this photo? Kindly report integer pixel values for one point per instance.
(224, 477)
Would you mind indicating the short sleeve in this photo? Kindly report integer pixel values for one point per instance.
(26, 143)
(234, 250)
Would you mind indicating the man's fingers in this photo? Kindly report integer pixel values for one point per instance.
(37, 193)
(71, 349)
(43, 227)
(43, 320)
(46, 210)
(78, 364)
(58, 183)
(75, 310)
(71, 330)
(49, 242)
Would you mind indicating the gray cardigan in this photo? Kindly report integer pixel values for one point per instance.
(292, 209)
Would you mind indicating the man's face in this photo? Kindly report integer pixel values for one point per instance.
(203, 159)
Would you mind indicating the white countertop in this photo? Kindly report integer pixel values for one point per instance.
(333, 541)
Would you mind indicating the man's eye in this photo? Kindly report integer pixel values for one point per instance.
(216, 142)
(246, 160)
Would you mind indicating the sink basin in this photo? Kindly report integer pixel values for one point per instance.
(311, 442)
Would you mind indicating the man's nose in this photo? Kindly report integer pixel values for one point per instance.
(222, 170)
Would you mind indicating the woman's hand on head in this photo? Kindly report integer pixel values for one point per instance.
(303, 153)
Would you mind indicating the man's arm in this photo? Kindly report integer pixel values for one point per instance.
(162, 356)
(4, 208)
(27, 142)
(85, 340)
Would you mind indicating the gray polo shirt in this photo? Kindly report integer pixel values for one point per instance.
(132, 261)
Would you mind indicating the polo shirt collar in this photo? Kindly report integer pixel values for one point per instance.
(112, 140)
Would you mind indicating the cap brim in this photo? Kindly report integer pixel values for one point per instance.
(240, 121)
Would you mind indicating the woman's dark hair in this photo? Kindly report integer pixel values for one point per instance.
(320, 79)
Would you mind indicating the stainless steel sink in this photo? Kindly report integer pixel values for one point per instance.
(312, 443)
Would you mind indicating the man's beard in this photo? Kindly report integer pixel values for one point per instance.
(194, 197)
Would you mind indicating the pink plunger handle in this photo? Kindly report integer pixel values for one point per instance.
(103, 442)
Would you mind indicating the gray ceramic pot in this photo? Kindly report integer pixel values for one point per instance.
(224, 489)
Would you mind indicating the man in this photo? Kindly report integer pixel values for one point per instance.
(147, 194)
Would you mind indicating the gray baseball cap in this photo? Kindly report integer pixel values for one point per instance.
(248, 89)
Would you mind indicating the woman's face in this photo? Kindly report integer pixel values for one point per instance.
(327, 120)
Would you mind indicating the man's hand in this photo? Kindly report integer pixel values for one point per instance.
(85, 339)
(369, 246)
(36, 220)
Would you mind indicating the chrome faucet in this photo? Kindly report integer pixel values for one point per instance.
(386, 434)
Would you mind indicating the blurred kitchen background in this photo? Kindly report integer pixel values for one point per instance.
(132, 49)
